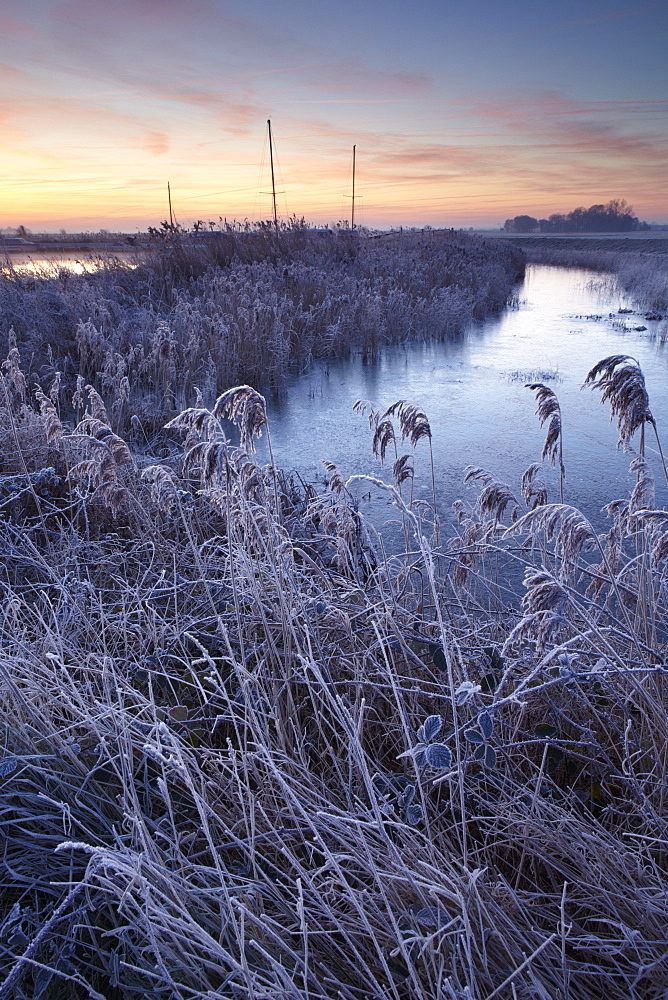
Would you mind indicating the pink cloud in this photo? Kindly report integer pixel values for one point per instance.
(156, 143)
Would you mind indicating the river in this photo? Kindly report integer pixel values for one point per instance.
(473, 393)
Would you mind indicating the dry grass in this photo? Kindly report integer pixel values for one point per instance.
(245, 756)
(189, 321)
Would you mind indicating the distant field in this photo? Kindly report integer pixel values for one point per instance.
(634, 243)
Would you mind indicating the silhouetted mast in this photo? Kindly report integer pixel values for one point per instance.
(169, 199)
(273, 179)
(352, 218)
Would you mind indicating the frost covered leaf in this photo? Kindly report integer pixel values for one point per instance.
(438, 755)
(7, 766)
(179, 713)
(409, 795)
(438, 656)
(12, 918)
(414, 814)
(479, 751)
(466, 691)
(430, 728)
(486, 724)
(490, 757)
(473, 736)
(417, 752)
(496, 661)
(432, 916)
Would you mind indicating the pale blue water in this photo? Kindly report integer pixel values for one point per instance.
(479, 410)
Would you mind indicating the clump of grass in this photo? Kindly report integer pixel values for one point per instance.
(535, 375)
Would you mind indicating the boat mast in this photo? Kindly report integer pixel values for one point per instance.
(352, 219)
(169, 199)
(273, 180)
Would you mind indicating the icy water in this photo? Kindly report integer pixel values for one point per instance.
(49, 265)
(474, 396)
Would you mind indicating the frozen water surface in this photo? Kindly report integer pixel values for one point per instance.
(473, 393)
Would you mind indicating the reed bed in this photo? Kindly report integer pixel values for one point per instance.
(247, 755)
(195, 315)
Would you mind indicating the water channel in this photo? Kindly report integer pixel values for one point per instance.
(473, 392)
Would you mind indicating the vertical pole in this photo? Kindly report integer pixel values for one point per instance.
(352, 220)
(273, 180)
(169, 199)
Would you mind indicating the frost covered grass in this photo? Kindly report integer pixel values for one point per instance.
(189, 320)
(643, 276)
(246, 755)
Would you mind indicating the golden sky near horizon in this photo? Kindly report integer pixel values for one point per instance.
(461, 115)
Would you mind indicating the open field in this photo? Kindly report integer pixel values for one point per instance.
(246, 754)
(592, 242)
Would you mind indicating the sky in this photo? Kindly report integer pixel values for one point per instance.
(462, 113)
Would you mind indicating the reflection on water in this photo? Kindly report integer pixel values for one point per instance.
(49, 265)
(473, 393)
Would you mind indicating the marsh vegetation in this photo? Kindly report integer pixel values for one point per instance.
(248, 754)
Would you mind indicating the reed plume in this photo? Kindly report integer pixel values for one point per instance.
(622, 383)
(402, 469)
(495, 497)
(412, 420)
(52, 424)
(246, 408)
(549, 410)
(368, 409)
(534, 489)
(382, 438)
(414, 426)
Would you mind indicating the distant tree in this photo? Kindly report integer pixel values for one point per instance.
(521, 224)
(616, 216)
(23, 232)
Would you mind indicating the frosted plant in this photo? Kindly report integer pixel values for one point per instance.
(622, 383)
(427, 753)
(247, 409)
(495, 497)
(52, 424)
(480, 737)
(534, 489)
(549, 411)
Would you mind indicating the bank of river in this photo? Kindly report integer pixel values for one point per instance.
(473, 393)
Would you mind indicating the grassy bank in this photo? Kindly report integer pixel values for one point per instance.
(193, 318)
(245, 755)
(643, 276)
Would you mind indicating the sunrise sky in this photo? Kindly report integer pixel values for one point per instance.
(463, 113)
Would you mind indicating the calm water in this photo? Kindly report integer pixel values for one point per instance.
(48, 265)
(473, 393)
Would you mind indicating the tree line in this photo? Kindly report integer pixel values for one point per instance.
(616, 216)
